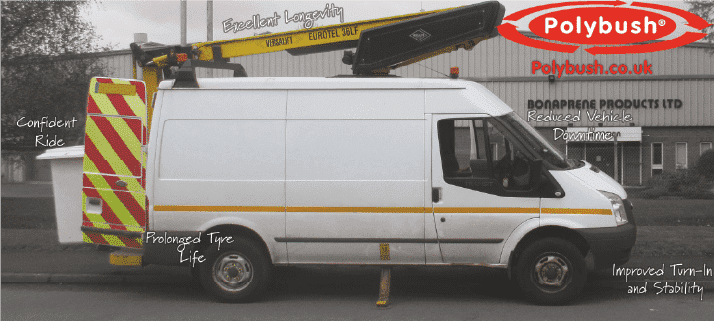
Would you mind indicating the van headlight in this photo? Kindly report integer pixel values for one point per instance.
(618, 207)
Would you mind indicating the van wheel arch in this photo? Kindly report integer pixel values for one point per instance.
(236, 231)
(539, 233)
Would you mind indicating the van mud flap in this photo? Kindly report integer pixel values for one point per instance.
(420, 38)
(114, 204)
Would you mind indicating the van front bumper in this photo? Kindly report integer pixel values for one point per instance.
(612, 245)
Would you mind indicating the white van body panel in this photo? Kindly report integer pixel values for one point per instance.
(473, 98)
(262, 223)
(151, 157)
(516, 236)
(367, 153)
(356, 104)
(432, 250)
(598, 181)
(568, 210)
(376, 150)
(224, 105)
(324, 153)
(219, 150)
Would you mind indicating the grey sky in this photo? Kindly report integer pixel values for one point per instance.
(117, 21)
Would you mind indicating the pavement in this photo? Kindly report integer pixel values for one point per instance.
(30, 189)
(35, 256)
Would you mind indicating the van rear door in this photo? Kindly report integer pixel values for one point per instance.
(114, 165)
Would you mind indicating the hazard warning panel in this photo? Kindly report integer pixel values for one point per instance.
(114, 170)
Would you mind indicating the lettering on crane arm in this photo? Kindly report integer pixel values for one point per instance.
(317, 35)
(279, 41)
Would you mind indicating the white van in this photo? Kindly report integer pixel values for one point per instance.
(369, 171)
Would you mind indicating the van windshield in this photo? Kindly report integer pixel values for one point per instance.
(534, 141)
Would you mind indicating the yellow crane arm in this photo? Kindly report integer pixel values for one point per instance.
(382, 44)
(318, 36)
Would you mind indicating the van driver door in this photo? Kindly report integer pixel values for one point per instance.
(480, 186)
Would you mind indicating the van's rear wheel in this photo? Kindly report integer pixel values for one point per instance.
(238, 272)
(551, 271)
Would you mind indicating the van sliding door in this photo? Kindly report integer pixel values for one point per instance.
(355, 177)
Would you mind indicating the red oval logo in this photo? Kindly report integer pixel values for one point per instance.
(602, 26)
(610, 23)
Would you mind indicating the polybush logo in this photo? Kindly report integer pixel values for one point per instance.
(603, 23)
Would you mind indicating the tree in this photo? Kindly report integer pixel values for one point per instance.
(704, 9)
(45, 70)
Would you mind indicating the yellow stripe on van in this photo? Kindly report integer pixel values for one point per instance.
(501, 210)
(220, 208)
(410, 210)
(577, 211)
(292, 209)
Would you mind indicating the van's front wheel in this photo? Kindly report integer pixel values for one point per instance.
(238, 272)
(551, 271)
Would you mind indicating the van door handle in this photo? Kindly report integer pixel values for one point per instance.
(435, 192)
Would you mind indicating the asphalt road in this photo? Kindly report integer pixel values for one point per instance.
(343, 294)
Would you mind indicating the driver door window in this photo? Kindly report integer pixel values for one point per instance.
(478, 156)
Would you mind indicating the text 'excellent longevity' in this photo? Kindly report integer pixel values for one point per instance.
(307, 19)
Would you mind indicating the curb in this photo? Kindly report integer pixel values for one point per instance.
(92, 278)
(25, 278)
(180, 279)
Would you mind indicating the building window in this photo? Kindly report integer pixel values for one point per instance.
(656, 158)
(704, 146)
(681, 154)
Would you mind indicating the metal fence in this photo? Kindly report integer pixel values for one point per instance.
(22, 166)
(623, 163)
(14, 168)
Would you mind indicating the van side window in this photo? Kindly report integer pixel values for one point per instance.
(478, 156)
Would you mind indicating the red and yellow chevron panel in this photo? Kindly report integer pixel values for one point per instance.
(112, 240)
(103, 181)
(113, 198)
(113, 146)
(117, 211)
(101, 101)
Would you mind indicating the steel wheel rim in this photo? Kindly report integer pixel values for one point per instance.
(232, 272)
(552, 272)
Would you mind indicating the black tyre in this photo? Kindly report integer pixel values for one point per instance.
(551, 271)
(238, 272)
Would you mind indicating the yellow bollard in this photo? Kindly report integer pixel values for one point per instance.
(384, 285)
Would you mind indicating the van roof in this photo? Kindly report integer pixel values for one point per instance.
(328, 83)
(472, 97)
